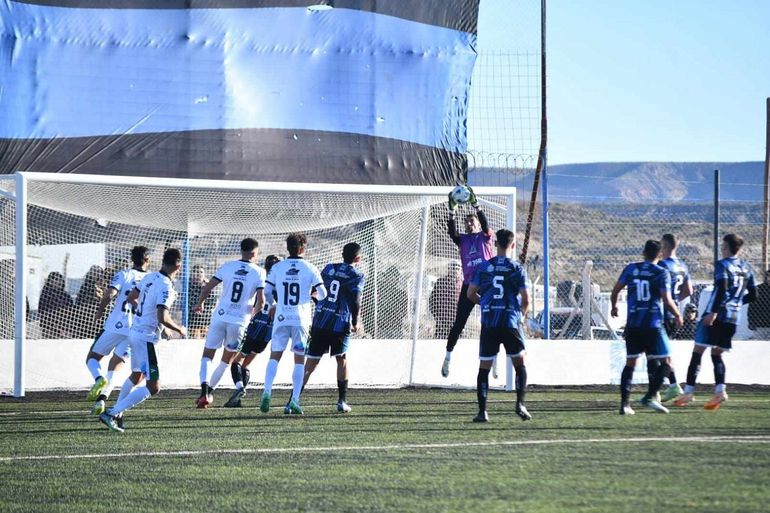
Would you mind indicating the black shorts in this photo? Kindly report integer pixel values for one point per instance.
(253, 345)
(491, 338)
(720, 334)
(323, 341)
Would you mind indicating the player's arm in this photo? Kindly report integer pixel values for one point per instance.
(164, 318)
(108, 295)
(670, 305)
(483, 220)
(452, 228)
(614, 297)
(272, 296)
(260, 302)
(524, 301)
(720, 292)
(205, 292)
(473, 293)
(319, 291)
(751, 291)
(686, 290)
(133, 296)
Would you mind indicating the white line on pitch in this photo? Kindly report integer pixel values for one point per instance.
(348, 448)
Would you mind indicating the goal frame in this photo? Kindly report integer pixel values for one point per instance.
(21, 180)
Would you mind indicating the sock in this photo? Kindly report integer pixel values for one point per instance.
(126, 389)
(236, 371)
(246, 377)
(625, 383)
(94, 367)
(693, 369)
(521, 383)
(107, 390)
(203, 375)
(482, 388)
(109, 375)
(448, 356)
(689, 389)
(719, 369)
(272, 368)
(342, 389)
(218, 373)
(720, 388)
(672, 378)
(652, 368)
(138, 395)
(296, 378)
(657, 380)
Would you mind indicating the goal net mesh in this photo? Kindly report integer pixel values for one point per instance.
(79, 235)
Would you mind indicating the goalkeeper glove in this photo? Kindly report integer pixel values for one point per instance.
(473, 199)
(452, 204)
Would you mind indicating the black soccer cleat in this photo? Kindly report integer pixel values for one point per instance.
(481, 417)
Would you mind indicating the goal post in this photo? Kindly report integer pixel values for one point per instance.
(64, 235)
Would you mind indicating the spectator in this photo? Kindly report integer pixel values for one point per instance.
(759, 311)
(54, 308)
(198, 322)
(442, 299)
(88, 298)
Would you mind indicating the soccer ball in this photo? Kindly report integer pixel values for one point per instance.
(460, 194)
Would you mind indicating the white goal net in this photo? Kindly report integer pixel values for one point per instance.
(79, 231)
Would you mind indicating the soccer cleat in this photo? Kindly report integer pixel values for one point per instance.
(96, 389)
(653, 404)
(98, 408)
(672, 392)
(343, 407)
(294, 408)
(684, 400)
(481, 417)
(204, 401)
(625, 409)
(264, 403)
(286, 409)
(445, 368)
(522, 412)
(235, 399)
(119, 421)
(640, 399)
(715, 402)
(111, 422)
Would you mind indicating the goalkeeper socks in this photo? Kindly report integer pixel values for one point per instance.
(297, 377)
(139, 395)
(272, 368)
(236, 371)
(693, 369)
(218, 373)
(342, 389)
(719, 369)
(203, 375)
(94, 368)
(625, 383)
(482, 388)
(521, 383)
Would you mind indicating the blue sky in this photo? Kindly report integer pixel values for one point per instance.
(652, 80)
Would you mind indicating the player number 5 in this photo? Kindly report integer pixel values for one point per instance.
(497, 283)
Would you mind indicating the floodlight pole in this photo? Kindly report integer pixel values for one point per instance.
(20, 326)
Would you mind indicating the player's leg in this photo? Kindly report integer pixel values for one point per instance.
(299, 337)
(514, 343)
(464, 309)
(119, 356)
(278, 344)
(339, 350)
(233, 341)
(703, 340)
(148, 361)
(214, 340)
(658, 350)
(724, 337)
(489, 345)
(101, 347)
(634, 349)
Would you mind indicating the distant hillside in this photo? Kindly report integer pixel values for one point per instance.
(639, 181)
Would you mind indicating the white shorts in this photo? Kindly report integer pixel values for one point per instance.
(231, 334)
(109, 341)
(141, 358)
(282, 335)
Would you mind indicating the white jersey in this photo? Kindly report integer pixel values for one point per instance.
(293, 280)
(156, 289)
(119, 320)
(240, 281)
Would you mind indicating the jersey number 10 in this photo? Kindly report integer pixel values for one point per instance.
(642, 290)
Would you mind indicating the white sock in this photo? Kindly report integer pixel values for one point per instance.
(689, 389)
(448, 356)
(126, 389)
(204, 372)
(239, 385)
(272, 369)
(297, 376)
(108, 389)
(720, 388)
(139, 395)
(218, 372)
(94, 367)
(109, 375)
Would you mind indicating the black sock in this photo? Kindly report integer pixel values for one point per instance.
(719, 369)
(657, 380)
(482, 388)
(521, 383)
(672, 377)
(342, 389)
(236, 371)
(693, 369)
(625, 383)
(246, 375)
(652, 368)
(204, 389)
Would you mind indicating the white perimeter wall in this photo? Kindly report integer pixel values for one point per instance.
(60, 364)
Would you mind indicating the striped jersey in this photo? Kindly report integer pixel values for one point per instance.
(499, 280)
(739, 278)
(647, 285)
(122, 315)
(344, 284)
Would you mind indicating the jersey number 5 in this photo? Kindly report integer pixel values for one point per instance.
(497, 283)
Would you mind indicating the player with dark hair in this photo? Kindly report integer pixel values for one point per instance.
(733, 287)
(499, 285)
(154, 297)
(114, 336)
(649, 288)
(475, 247)
(243, 281)
(336, 317)
(294, 282)
(258, 334)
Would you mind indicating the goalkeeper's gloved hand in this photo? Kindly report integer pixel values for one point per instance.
(473, 199)
(452, 204)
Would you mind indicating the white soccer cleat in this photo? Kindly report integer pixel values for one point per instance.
(343, 407)
(445, 368)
